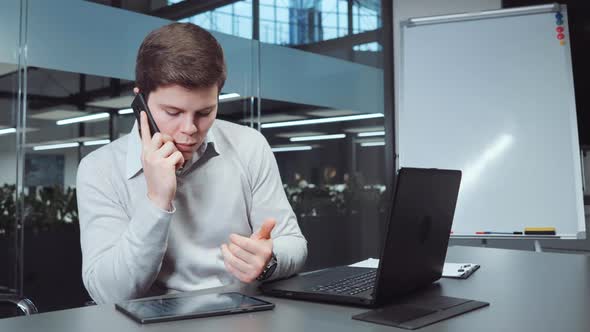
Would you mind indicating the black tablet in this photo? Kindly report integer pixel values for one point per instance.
(191, 306)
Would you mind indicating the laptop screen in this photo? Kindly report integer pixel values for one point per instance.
(418, 232)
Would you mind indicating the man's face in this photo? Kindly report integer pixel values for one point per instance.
(184, 114)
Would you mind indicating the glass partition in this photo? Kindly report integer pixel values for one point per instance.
(322, 115)
(78, 66)
(333, 170)
(324, 120)
(11, 69)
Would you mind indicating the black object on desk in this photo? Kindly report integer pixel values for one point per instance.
(420, 312)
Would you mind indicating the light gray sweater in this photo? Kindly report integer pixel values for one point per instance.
(131, 248)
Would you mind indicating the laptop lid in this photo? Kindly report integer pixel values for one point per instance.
(418, 231)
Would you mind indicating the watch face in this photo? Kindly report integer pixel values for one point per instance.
(273, 260)
(272, 266)
(269, 269)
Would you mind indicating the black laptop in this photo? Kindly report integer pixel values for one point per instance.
(413, 256)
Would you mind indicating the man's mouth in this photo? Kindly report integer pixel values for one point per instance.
(185, 147)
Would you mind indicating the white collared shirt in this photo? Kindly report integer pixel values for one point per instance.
(131, 248)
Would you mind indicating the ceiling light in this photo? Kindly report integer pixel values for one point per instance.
(371, 133)
(228, 96)
(372, 144)
(97, 142)
(324, 120)
(291, 148)
(7, 131)
(56, 146)
(316, 138)
(126, 111)
(91, 117)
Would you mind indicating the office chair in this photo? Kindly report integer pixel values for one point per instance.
(22, 305)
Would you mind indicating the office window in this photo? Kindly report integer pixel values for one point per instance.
(295, 22)
(274, 22)
(292, 22)
(366, 15)
(234, 19)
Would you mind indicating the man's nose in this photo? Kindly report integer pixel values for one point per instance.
(189, 126)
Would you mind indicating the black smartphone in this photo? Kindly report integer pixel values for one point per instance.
(139, 104)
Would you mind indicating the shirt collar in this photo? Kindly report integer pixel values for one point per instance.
(133, 161)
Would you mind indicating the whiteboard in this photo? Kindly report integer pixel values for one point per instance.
(493, 96)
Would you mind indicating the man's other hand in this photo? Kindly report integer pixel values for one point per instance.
(246, 258)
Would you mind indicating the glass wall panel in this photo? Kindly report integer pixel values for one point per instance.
(324, 120)
(80, 66)
(336, 184)
(341, 178)
(333, 174)
(10, 276)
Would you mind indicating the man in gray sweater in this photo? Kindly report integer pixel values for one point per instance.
(198, 205)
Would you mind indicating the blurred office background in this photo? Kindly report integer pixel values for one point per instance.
(314, 76)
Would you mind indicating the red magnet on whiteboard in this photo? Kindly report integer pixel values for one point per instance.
(560, 36)
(559, 29)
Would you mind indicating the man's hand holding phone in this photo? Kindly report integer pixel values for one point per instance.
(160, 159)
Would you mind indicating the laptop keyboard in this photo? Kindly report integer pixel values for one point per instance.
(352, 285)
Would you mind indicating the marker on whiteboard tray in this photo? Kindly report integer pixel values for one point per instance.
(499, 233)
(539, 230)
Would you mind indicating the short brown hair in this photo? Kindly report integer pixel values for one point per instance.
(179, 53)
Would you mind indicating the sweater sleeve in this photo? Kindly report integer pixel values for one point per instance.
(121, 257)
(270, 201)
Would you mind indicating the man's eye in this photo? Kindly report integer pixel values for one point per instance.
(173, 113)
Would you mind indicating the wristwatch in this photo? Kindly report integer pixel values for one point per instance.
(268, 269)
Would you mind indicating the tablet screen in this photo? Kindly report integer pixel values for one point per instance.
(192, 306)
